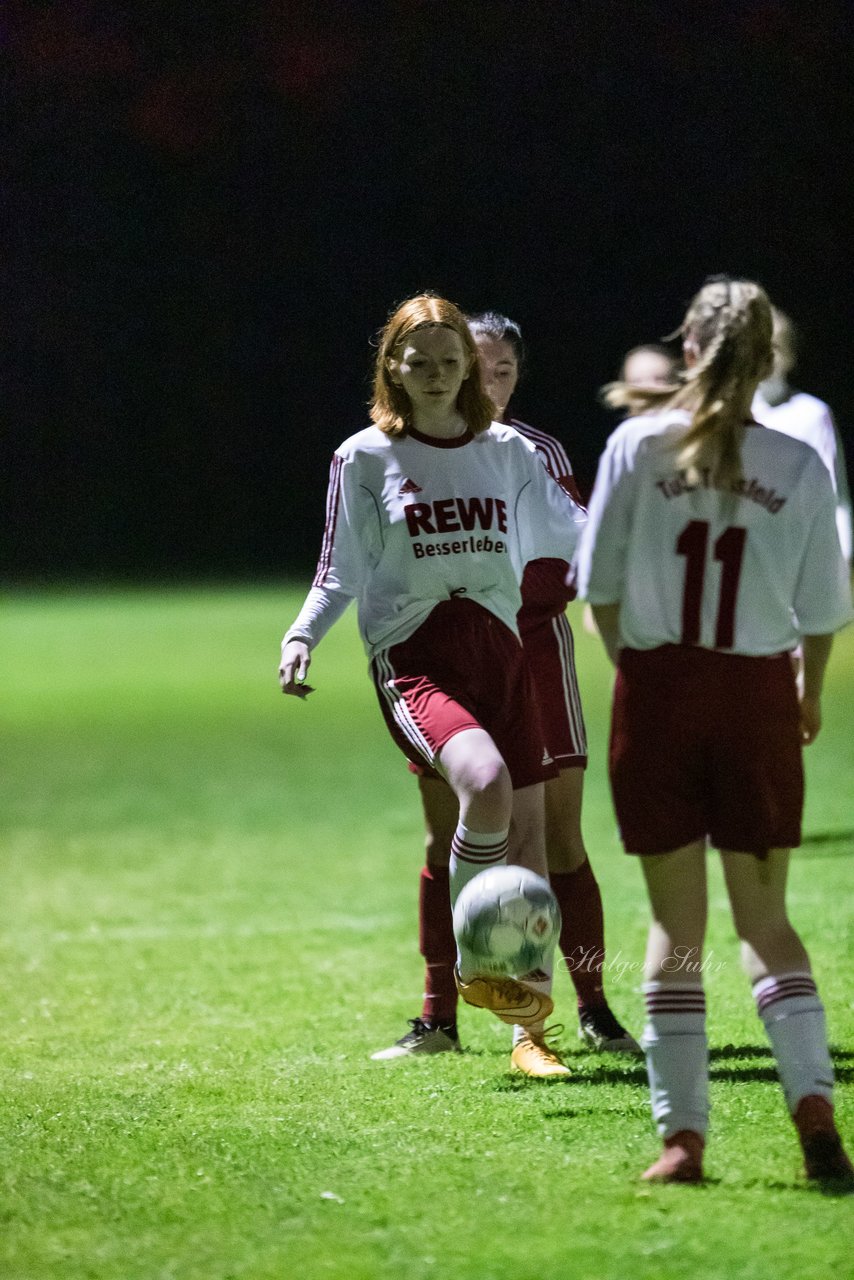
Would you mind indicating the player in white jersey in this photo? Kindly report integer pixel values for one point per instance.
(711, 550)
(432, 515)
(548, 644)
(779, 405)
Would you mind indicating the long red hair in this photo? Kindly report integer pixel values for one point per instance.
(390, 407)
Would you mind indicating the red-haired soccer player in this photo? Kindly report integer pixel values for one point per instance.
(548, 644)
(432, 514)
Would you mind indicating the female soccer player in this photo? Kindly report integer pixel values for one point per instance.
(779, 405)
(650, 365)
(711, 550)
(548, 644)
(431, 516)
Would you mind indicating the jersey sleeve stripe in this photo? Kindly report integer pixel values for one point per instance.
(558, 464)
(333, 496)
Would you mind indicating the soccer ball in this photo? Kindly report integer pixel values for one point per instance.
(507, 920)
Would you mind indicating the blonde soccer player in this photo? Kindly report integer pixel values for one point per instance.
(549, 648)
(711, 552)
(432, 514)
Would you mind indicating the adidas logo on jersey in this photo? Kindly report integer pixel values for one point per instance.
(409, 486)
(546, 757)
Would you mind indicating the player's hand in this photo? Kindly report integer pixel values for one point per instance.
(810, 719)
(296, 660)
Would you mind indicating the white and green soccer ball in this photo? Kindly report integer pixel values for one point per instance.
(507, 921)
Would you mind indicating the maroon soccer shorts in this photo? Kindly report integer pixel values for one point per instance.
(550, 651)
(706, 744)
(462, 669)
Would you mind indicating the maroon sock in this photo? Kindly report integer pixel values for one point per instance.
(436, 940)
(582, 935)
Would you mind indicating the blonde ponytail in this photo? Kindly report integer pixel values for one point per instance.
(729, 328)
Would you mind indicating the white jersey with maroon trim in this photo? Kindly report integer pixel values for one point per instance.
(545, 592)
(748, 570)
(809, 419)
(412, 520)
(553, 455)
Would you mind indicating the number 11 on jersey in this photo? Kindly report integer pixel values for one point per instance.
(693, 543)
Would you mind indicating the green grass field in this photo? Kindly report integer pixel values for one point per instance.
(209, 922)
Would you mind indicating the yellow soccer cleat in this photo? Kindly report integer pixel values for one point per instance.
(533, 1057)
(509, 1000)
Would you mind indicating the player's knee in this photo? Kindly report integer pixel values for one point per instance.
(488, 781)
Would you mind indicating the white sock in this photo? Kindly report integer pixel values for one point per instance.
(677, 1056)
(538, 980)
(790, 1007)
(472, 852)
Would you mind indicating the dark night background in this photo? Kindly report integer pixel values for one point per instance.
(211, 209)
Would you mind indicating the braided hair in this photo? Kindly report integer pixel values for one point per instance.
(727, 330)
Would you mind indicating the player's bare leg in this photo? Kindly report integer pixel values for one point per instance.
(478, 776)
(527, 845)
(476, 772)
(675, 1033)
(565, 846)
(757, 893)
(787, 1001)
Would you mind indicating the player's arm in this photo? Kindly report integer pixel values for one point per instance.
(558, 465)
(600, 564)
(822, 600)
(341, 569)
(548, 519)
(816, 652)
(608, 624)
(844, 521)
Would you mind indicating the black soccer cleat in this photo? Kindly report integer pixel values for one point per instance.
(424, 1037)
(600, 1029)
